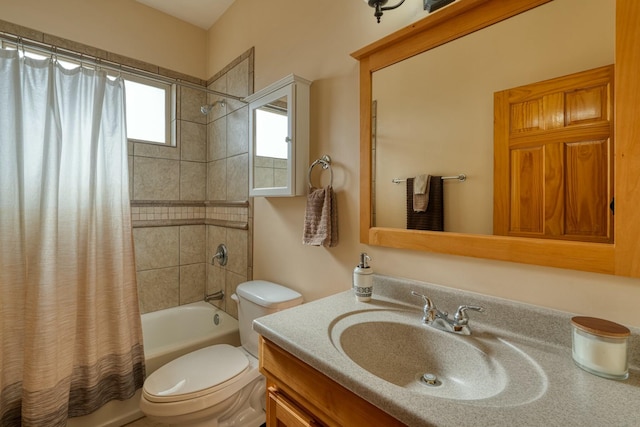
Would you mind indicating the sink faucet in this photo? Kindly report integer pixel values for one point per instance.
(435, 318)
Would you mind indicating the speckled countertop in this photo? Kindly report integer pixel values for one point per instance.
(562, 393)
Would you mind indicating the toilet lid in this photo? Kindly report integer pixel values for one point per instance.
(196, 373)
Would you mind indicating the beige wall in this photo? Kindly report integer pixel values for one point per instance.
(125, 27)
(314, 41)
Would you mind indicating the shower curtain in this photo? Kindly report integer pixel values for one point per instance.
(70, 333)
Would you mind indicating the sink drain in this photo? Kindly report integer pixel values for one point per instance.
(430, 380)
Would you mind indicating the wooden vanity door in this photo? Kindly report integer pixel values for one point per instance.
(553, 154)
(281, 412)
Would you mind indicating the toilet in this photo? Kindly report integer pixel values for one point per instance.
(219, 385)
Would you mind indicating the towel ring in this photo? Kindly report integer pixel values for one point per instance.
(325, 161)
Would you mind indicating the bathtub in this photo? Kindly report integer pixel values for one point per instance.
(167, 334)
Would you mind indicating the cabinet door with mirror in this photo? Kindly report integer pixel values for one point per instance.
(433, 85)
(279, 138)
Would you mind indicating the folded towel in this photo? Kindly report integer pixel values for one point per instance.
(321, 218)
(433, 218)
(421, 185)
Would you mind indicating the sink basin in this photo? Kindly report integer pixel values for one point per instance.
(396, 347)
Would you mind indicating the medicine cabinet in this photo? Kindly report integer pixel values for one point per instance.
(279, 138)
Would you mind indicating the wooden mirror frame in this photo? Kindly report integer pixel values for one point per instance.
(464, 17)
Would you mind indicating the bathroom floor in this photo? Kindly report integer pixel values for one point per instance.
(145, 422)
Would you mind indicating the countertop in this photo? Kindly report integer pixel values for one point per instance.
(570, 396)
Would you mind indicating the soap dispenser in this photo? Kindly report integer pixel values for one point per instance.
(363, 279)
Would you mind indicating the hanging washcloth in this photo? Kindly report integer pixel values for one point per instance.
(421, 185)
(321, 218)
(433, 218)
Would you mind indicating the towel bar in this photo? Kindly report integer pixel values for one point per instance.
(460, 177)
(325, 161)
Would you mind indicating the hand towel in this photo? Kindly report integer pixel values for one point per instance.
(421, 185)
(433, 218)
(321, 218)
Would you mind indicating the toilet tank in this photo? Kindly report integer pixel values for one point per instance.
(258, 298)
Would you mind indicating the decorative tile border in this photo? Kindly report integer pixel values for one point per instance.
(156, 213)
(235, 214)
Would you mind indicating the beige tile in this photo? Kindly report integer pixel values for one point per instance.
(280, 177)
(217, 139)
(238, 83)
(193, 181)
(156, 247)
(219, 108)
(157, 151)
(217, 180)
(238, 132)
(130, 164)
(238, 177)
(158, 289)
(178, 101)
(192, 282)
(219, 85)
(190, 102)
(250, 247)
(232, 282)
(192, 244)
(155, 179)
(263, 162)
(215, 236)
(215, 282)
(263, 177)
(193, 138)
(237, 248)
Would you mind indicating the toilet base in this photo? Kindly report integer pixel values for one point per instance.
(244, 409)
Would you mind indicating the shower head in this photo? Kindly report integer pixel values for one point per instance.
(205, 109)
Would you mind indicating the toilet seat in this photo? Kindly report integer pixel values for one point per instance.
(200, 373)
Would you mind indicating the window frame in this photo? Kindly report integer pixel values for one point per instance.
(169, 108)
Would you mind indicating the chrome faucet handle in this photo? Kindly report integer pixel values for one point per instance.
(461, 317)
(429, 308)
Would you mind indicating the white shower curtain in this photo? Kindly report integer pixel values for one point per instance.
(70, 333)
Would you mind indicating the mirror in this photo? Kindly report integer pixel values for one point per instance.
(279, 138)
(452, 24)
(272, 144)
(435, 111)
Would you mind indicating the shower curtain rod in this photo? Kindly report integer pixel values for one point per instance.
(56, 51)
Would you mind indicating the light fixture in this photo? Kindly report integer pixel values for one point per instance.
(429, 6)
(379, 6)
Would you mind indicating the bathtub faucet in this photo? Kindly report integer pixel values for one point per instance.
(216, 296)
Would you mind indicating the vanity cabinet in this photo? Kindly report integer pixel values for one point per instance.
(279, 138)
(299, 395)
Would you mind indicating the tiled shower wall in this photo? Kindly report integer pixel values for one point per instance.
(190, 198)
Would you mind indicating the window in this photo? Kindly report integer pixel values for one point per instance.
(149, 110)
(148, 102)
